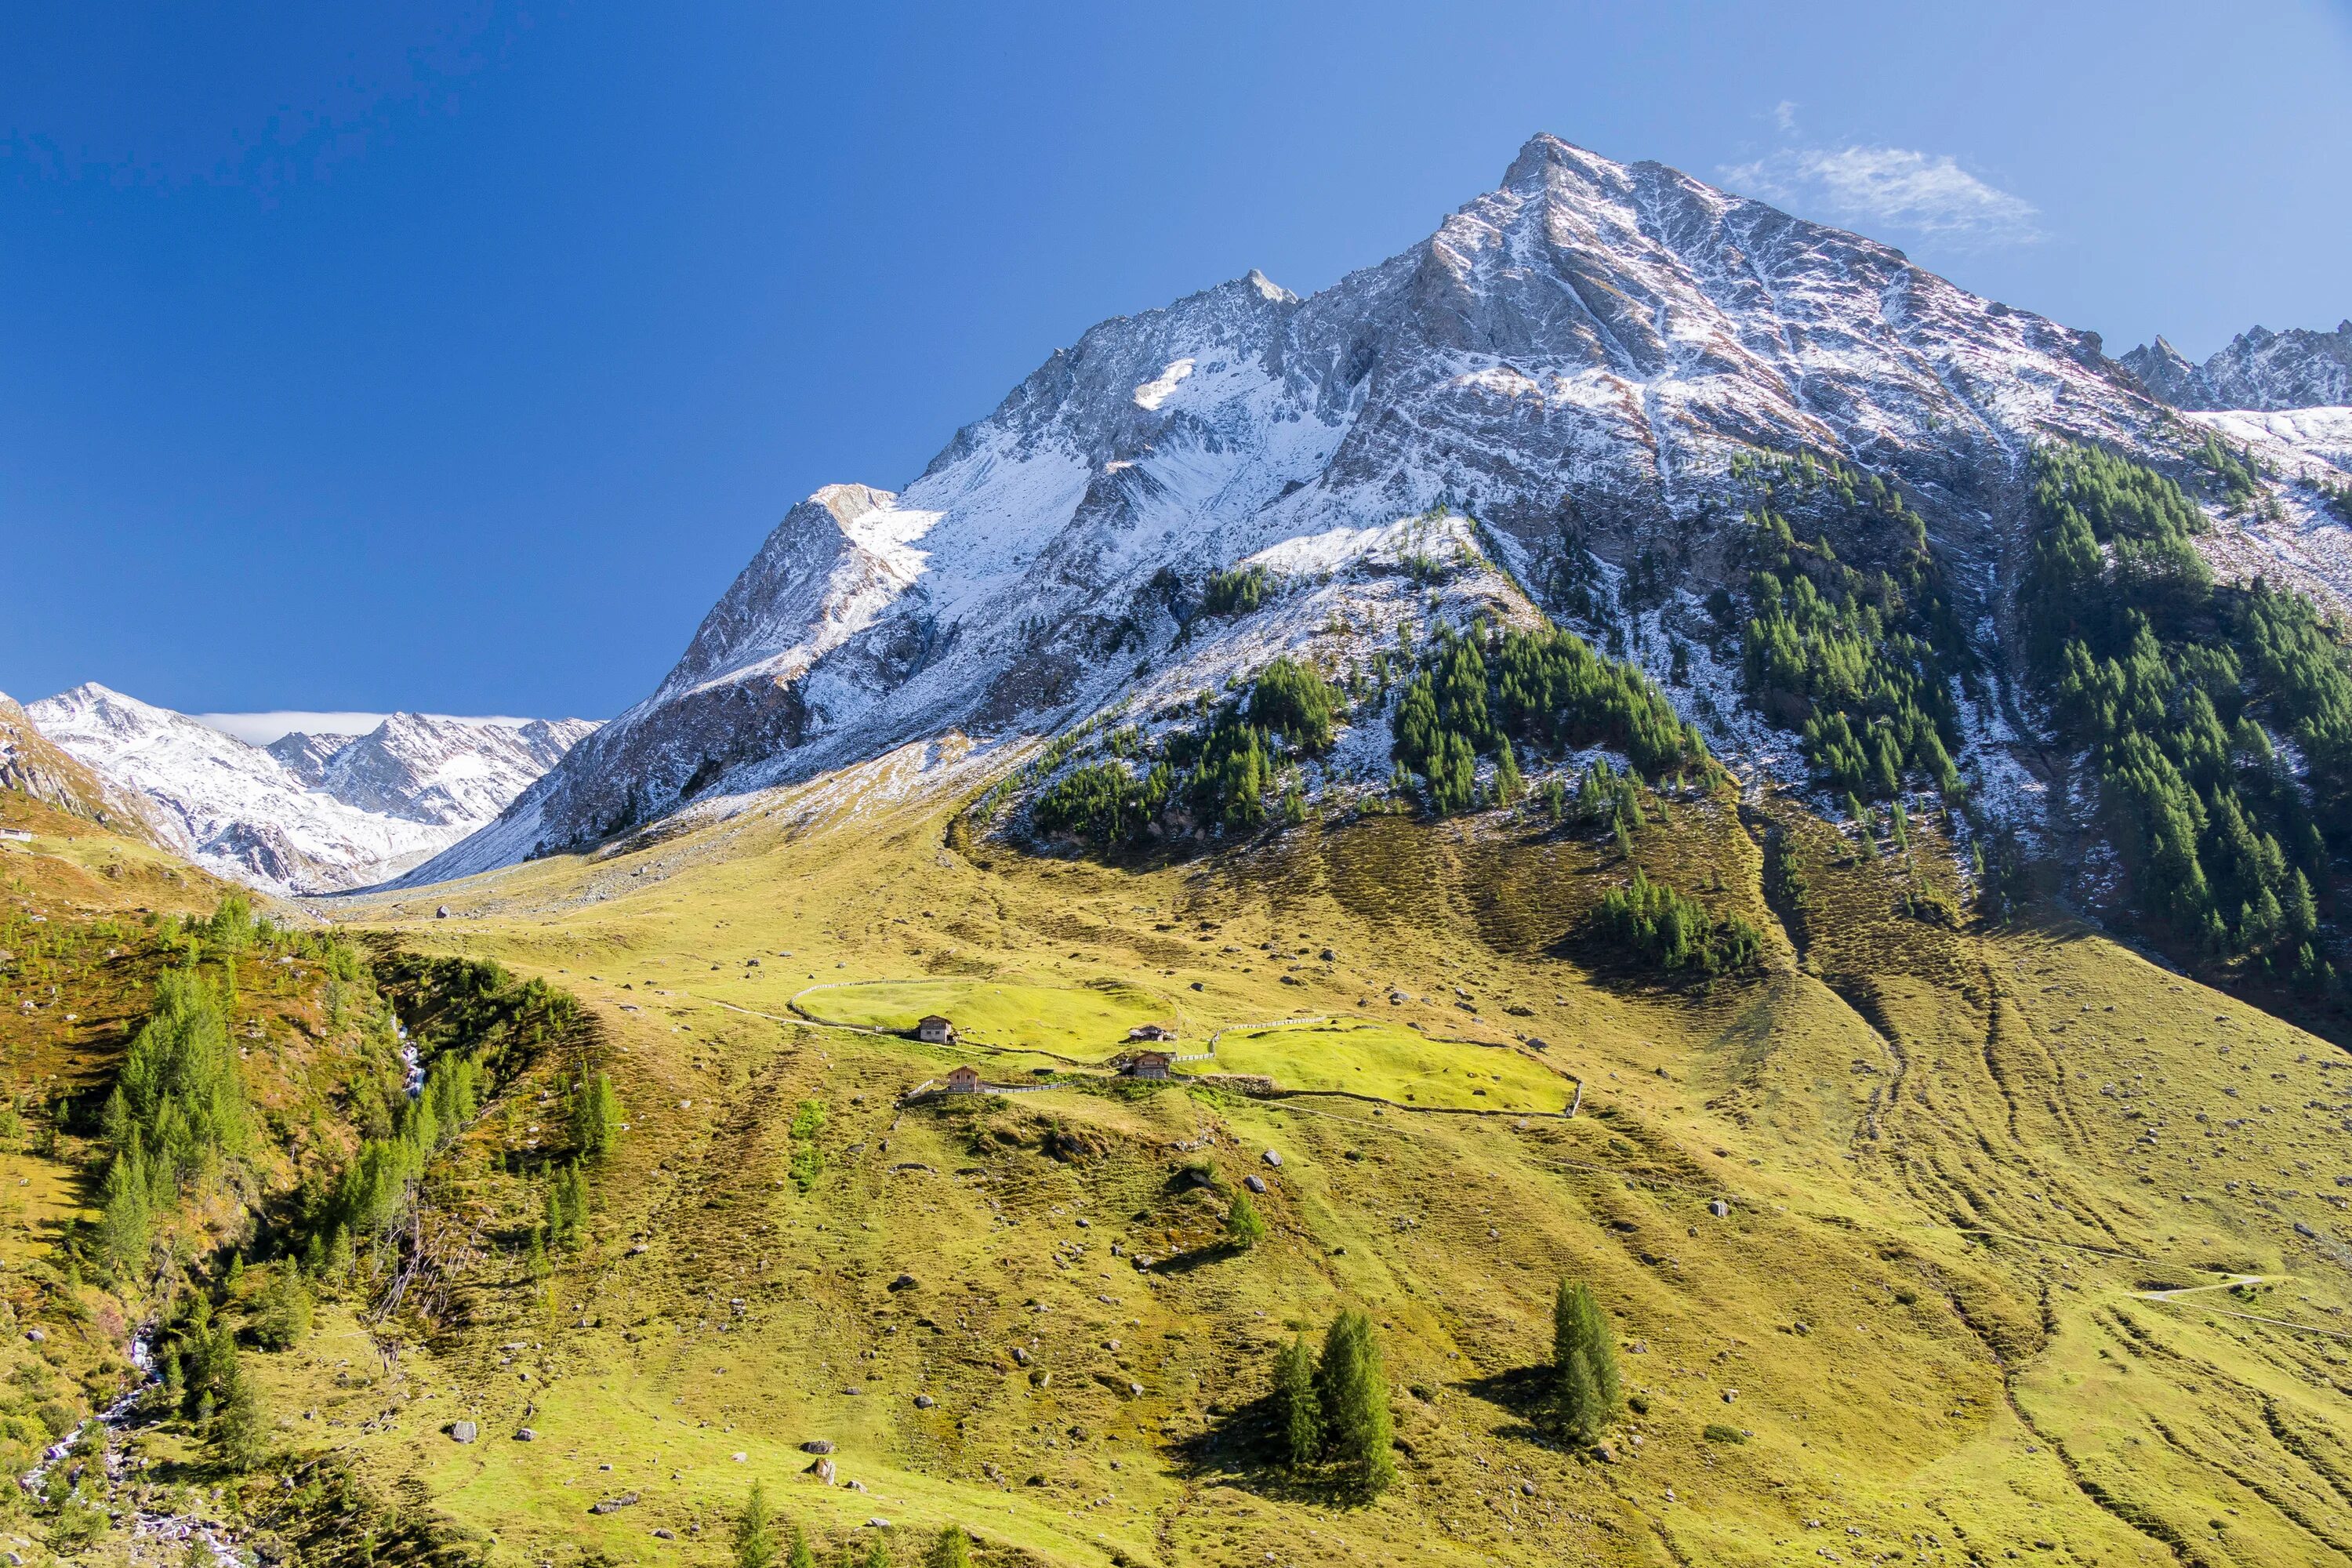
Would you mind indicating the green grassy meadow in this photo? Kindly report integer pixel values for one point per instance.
(1355, 1057)
(1952, 1160)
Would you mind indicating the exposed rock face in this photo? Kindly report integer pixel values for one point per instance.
(312, 814)
(2260, 370)
(426, 768)
(32, 764)
(1583, 351)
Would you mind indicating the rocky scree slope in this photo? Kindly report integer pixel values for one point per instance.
(312, 814)
(1577, 359)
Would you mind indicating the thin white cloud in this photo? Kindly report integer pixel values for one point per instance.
(1890, 187)
(1784, 115)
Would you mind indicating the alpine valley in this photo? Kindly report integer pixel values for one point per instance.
(1641, 886)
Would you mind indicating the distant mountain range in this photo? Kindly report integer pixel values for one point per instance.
(2261, 370)
(308, 814)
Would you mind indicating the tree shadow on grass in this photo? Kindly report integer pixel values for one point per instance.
(1198, 1258)
(1243, 1448)
(1525, 1393)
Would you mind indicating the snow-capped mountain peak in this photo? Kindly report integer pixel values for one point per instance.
(2259, 369)
(1575, 358)
(310, 812)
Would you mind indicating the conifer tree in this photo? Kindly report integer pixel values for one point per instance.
(1300, 1406)
(799, 1554)
(596, 1118)
(1584, 1358)
(1244, 1228)
(1508, 786)
(755, 1531)
(952, 1550)
(240, 1422)
(1353, 1383)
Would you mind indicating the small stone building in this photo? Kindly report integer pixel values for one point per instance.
(1151, 1032)
(1149, 1064)
(935, 1030)
(963, 1080)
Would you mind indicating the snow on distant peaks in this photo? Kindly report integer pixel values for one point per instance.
(311, 812)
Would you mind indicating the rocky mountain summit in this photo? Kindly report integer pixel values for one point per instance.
(2260, 371)
(423, 767)
(1560, 387)
(33, 765)
(310, 814)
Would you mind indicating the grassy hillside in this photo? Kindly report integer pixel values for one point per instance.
(1962, 1167)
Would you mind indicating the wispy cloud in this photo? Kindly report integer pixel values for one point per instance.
(1890, 187)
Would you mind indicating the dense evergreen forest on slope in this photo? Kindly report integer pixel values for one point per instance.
(2218, 718)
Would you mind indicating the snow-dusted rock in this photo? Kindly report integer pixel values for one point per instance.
(322, 814)
(2260, 370)
(1578, 354)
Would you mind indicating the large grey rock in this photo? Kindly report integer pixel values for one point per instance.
(462, 1431)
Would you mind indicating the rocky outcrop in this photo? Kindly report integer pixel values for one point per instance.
(2259, 371)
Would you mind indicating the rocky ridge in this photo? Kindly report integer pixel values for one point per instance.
(2260, 370)
(310, 814)
(1575, 361)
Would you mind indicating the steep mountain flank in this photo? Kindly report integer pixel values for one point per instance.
(32, 764)
(1568, 376)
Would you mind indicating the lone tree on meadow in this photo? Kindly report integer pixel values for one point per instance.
(1334, 1408)
(1586, 1388)
(1354, 1386)
(1245, 1226)
(1301, 1407)
(755, 1533)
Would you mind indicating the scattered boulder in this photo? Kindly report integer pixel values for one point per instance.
(1020, 1354)
(664, 1535)
(613, 1504)
(462, 1431)
(1720, 1209)
(1134, 1391)
(1328, 956)
(36, 1336)
(1271, 1158)
(441, 912)
(1255, 1184)
(822, 1470)
(525, 1435)
(2305, 1231)
(1526, 1488)
(925, 1401)
(1731, 1396)
(739, 1458)
(817, 1445)
(903, 1282)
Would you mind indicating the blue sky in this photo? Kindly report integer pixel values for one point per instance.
(454, 356)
